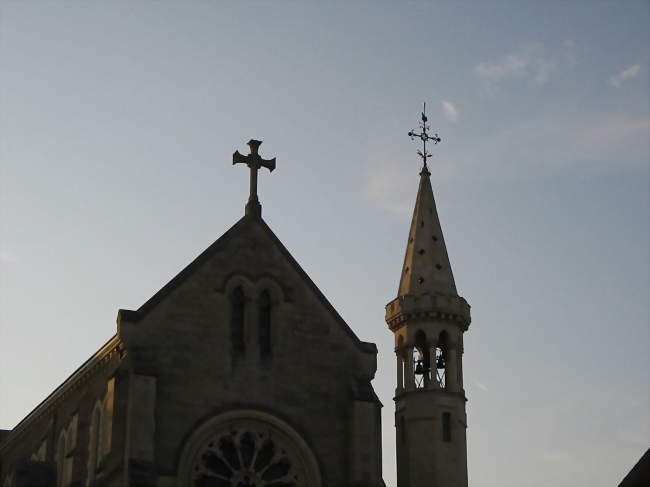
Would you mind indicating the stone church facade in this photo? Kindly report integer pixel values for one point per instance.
(240, 373)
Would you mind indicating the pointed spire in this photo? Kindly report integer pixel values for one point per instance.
(426, 267)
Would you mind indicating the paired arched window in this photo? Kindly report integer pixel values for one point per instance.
(237, 321)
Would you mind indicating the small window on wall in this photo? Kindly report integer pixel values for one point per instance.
(446, 427)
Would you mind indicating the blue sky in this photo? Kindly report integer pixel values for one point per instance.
(117, 125)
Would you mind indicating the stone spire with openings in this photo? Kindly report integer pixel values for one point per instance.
(426, 267)
(428, 319)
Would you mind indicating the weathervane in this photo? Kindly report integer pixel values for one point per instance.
(424, 137)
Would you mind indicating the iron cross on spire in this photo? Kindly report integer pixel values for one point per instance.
(255, 163)
(424, 137)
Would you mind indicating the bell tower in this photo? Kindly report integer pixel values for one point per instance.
(428, 319)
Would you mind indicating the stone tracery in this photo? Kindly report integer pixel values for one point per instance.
(242, 458)
(249, 451)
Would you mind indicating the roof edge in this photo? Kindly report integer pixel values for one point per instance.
(366, 347)
(132, 316)
(113, 343)
(142, 311)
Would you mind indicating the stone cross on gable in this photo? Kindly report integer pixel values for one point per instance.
(255, 162)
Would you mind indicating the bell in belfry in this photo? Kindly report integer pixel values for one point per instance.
(440, 363)
(419, 369)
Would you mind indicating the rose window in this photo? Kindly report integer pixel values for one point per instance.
(242, 457)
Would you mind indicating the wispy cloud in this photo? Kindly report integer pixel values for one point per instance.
(450, 110)
(612, 137)
(7, 257)
(531, 61)
(511, 65)
(385, 184)
(480, 385)
(524, 150)
(550, 144)
(624, 75)
(389, 184)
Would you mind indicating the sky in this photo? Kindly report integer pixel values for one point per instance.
(118, 121)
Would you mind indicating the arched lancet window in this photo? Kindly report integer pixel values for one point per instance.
(94, 442)
(421, 360)
(61, 476)
(40, 455)
(237, 302)
(264, 324)
(9, 480)
(65, 449)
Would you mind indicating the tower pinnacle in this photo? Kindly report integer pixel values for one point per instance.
(426, 267)
(428, 319)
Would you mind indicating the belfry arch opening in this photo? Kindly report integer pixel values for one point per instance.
(421, 360)
(442, 353)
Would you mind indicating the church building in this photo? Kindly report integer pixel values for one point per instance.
(202, 385)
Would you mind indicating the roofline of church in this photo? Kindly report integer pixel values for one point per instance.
(105, 351)
(135, 316)
(115, 342)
